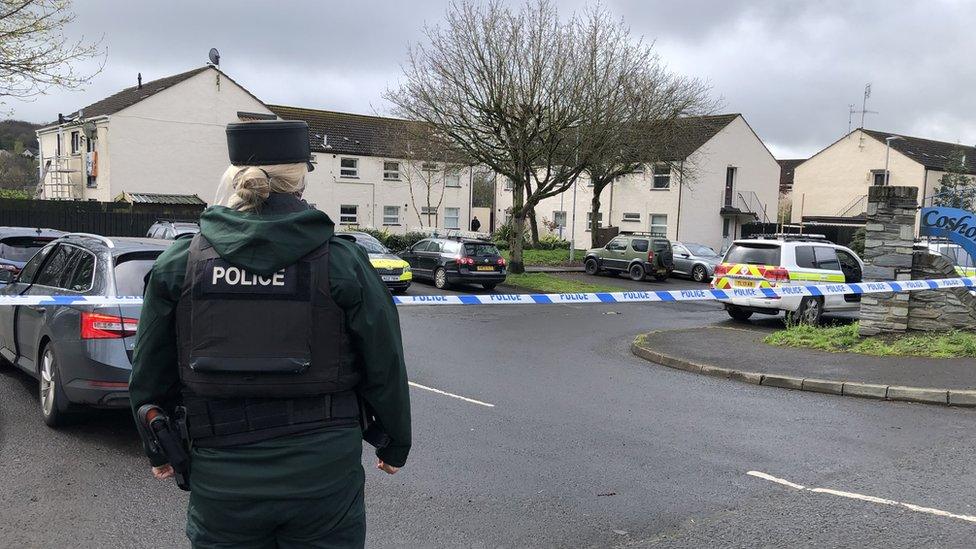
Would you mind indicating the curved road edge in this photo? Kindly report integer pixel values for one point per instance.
(924, 395)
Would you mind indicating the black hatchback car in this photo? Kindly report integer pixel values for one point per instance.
(447, 261)
(80, 354)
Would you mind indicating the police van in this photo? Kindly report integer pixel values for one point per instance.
(787, 260)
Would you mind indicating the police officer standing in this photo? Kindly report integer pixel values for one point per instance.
(277, 338)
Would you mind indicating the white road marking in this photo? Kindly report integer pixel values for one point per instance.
(862, 497)
(452, 395)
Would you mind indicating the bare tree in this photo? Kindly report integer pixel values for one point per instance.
(505, 89)
(34, 53)
(427, 162)
(644, 109)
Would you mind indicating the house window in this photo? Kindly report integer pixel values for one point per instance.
(429, 210)
(589, 220)
(559, 218)
(75, 142)
(878, 177)
(391, 215)
(348, 214)
(662, 176)
(659, 224)
(452, 178)
(428, 167)
(391, 171)
(452, 218)
(631, 216)
(508, 184)
(349, 167)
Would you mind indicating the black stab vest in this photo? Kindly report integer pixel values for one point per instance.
(262, 356)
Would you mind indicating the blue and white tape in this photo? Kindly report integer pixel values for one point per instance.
(607, 297)
(690, 295)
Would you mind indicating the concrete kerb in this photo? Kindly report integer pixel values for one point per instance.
(924, 395)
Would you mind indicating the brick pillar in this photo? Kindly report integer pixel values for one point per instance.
(888, 240)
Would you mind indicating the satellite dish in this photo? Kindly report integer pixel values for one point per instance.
(214, 56)
(89, 129)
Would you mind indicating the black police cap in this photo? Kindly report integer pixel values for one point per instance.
(265, 142)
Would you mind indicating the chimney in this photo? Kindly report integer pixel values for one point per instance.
(139, 79)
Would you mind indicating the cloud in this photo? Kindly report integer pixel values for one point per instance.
(791, 67)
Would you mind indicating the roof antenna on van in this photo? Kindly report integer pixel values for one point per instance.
(139, 81)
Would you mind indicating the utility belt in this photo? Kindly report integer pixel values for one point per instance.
(222, 423)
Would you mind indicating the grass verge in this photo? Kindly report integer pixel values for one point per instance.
(952, 344)
(548, 258)
(549, 284)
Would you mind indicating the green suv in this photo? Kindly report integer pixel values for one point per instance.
(637, 254)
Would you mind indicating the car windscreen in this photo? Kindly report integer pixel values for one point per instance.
(372, 246)
(701, 251)
(753, 254)
(478, 249)
(21, 248)
(131, 270)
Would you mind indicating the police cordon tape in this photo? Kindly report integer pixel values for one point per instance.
(600, 297)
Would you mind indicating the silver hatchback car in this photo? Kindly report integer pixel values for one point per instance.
(695, 261)
(80, 354)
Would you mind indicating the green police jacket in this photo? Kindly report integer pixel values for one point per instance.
(263, 243)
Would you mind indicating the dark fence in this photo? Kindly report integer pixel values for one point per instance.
(838, 234)
(104, 218)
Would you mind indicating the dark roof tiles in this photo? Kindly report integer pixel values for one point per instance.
(935, 155)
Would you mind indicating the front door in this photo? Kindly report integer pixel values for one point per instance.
(616, 250)
(30, 318)
(830, 270)
(682, 259)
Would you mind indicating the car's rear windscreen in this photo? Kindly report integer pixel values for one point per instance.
(131, 270)
(476, 249)
(21, 248)
(753, 254)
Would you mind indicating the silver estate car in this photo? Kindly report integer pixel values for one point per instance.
(80, 354)
(695, 261)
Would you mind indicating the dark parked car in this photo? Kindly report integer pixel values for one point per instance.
(446, 261)
(81, 354)
(696, 261)
(18, 244)
(171, 230)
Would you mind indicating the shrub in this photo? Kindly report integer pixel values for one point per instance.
(400, 242)
(551, 242)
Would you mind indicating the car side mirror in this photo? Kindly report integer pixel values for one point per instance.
(684, 255)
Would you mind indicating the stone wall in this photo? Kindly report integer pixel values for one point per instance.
(933, 311)
(888, 240)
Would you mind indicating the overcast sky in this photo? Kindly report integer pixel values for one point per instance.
(792, 68)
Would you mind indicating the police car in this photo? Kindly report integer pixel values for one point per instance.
(788, 260)
(395, 272)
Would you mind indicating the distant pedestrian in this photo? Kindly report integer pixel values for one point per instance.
(475, 224)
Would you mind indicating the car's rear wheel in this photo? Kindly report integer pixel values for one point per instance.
(699, 273)
(810, 312)
(440, 278)
(738, 313)
(54, 403)
(637, 272)
(591, 266)
(489, 285)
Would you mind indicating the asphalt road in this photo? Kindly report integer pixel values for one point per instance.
(585, 446)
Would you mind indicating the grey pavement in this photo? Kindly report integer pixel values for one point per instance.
(586, 446)
(741, 348)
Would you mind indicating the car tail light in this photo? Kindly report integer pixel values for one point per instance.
(777, 274)
(463, 260)
(11, 268)
(102, 326)
(502, 262)
(650, 256)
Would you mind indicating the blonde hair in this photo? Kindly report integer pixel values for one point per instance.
(246, 188)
